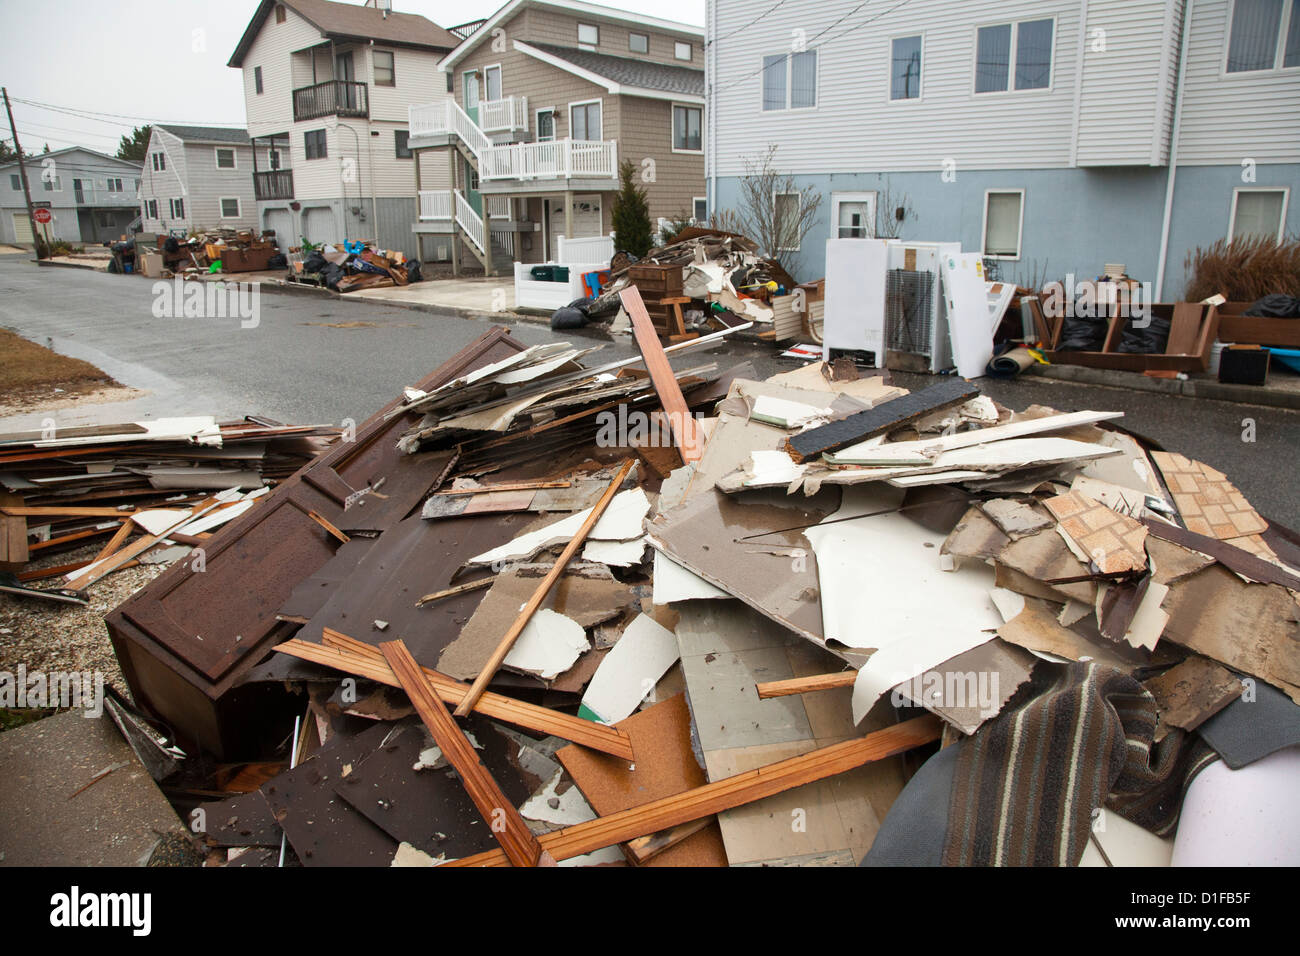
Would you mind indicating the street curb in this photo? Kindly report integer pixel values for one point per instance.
(1189, 388)
(67, 265)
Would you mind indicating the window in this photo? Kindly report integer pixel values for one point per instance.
(786, 219)
(584, 121)
(225, 158)
(107, 220)
(53, 184)
(545, 126)
(177, 208)
(588, 36)
(1257, 212)
(905, 68)
(681, 51)
(279, 13)
(492, 83)
(257, 80)
(159, 162)
(402, 143)
(686, 129)
(230, 208)
(15, 181)
(1255, 39)
(701, 209)
(790, 81)
(854, 215)
(384, 72)
(151, 209)
(314, 144)
(638, 43)
(273, 155)
(1027, 44)
(114, 185)
(1003, 212)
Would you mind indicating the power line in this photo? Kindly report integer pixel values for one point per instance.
(771, 9)
(97, 114)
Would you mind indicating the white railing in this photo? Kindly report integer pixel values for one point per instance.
(435, 204)
(558, 159)
(510, 113)
(470, 222)
(584, 249)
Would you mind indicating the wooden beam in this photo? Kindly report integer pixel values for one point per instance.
(644, 849)
(686, 431)
(452, 592)
(53, 512)
(372, 666)
(116, 541)
(506, 486)
(804, 685)
(539, 595)
(726, 794)
(501, 816)
(328, 527)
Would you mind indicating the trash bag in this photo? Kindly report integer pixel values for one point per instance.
(315, 262)
(331, 274)
(1083, 335)
(171, 245)
(413, 270)
(1276, 306)
(582, 305)
(568, 318)
(277, 261)
(1150, 340)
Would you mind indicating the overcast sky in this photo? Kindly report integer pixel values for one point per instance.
(160, 60)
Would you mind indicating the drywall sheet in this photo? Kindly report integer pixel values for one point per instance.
(969, 327)
(620, 522)
(854, 316)
(672, 582)
(630, 671)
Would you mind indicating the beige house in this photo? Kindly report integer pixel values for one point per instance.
(548, 97)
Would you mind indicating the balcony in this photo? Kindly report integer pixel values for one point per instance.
(273, 184)
(504, 115)
(558, 159)
(331, 98)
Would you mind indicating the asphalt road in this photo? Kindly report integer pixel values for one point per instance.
(321, 360)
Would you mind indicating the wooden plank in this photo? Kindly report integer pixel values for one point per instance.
(116, 541)
(371, 665)
(544, 588)
(116, 560)
(328, 527)
(805, 685)
(644, 849)
(726, 794)
(67, 539)
(13, 530)
(882, 419)
(506, 486)
(451, 592)
(52, 512)
(1184, 328)
(685, 429)
(501, 816)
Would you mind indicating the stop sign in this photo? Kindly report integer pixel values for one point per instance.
(42, 216)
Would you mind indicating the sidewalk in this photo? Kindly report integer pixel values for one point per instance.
(492, 296)
(1281, 391)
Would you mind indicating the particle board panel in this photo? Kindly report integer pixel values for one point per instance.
(1211, 505)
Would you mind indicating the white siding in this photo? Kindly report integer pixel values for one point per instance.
(1123, 83)
(855, 126)
(164, 185)
(272, 111)
(207, 186)
(1228, 117)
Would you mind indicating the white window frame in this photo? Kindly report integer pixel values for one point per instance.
(216, 156)
(588, 44)
(889, 79)
(158, 161)
(789, 83)
(1020, 225)
(798, 199)
(690, 51)
(699, 199)
(108, 184)
(1286, 199)
(672, 127)
(1011, 62)
(551, 110)
(151, 209)
(171, 208)
(1278, 50)
(387, 86)
(501, 82)
(599, 100)
(221, 207)
(643, 36)
(872, 197)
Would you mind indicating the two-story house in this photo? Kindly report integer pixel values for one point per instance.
(1053, 135)
(326, 90)
(92, 197)
(548, 97)
(196, 178)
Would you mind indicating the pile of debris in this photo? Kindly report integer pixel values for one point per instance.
(216, 251)
(352, 266)
(824, 620)
(169, 481)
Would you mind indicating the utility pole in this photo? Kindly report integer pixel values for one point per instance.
(22, 172)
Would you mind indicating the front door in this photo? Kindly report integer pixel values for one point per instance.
(472, 194)
(471, 95)
(545, 126)
(344, 72)
(78, 191)
(854, 215)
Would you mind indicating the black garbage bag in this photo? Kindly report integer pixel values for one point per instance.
(1276, 306)
(569, 317)
(413, 270)
(331, 275)
(1080, 334)
(315, 262)
(1148, 340)
(277, 261)
(171, 245)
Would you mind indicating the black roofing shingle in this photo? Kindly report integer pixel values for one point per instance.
(207, 134)
(627, 72)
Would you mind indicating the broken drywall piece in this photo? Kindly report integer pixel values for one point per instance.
(1015, 518)
(1121, 500)
(1149, 619)
(158, 520)
(563, 809)
(1008, 603)
(549, 645)
(1191, 692)
(1037, 629)
(622, 554)
(763, 469)
(1111, 541)
(408, 855)
(630, 671)
(672, 582)
(975, 536)
(1072, 612)
(788, 414)
(620, 522)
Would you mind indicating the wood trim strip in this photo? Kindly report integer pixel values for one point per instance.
(501, 816)
(805, 685)
(685, 430)
(539, 595)
(726, 794)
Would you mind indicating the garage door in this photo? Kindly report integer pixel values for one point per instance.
(281, 220)
(318, 225)
(22, 228)
(586, 218)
